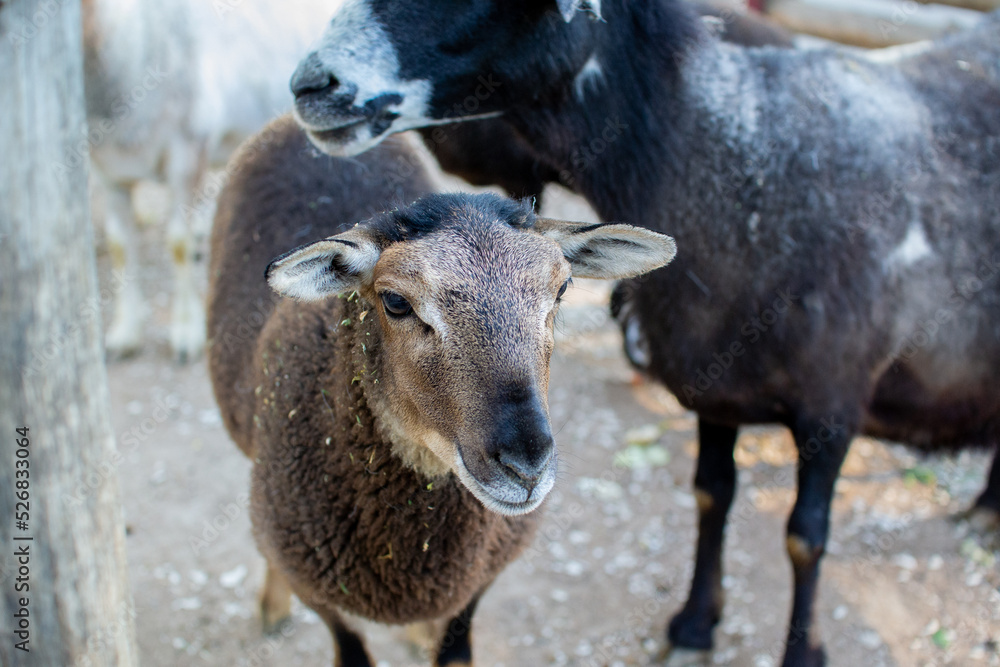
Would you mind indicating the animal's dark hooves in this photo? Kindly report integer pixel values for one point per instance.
(460, 658)
(806, 656)
(691, 630)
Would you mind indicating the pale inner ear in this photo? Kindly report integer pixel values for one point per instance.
(336, 265)
(611, 251)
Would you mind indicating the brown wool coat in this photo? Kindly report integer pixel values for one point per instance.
(350, 525)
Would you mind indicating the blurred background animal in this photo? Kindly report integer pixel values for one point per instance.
(171, 88)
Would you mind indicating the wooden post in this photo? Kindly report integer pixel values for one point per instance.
(980, 5)
(63, 582)
(871, 23)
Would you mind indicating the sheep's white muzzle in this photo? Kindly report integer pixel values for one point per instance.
(505, 496)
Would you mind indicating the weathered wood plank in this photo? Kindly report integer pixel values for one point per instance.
(978, 5)
(871, 23)
(52, 375)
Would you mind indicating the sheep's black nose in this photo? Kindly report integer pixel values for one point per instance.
(522, 441)
(311, 76)
(527, 467)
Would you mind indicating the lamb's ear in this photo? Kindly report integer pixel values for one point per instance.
(569, 8)
(611, 251)
(335, 265)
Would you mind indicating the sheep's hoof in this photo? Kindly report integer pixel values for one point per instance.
(275, 608)
(275, 600)
(692, 629)
(274, 621)
(275, 611)
(807, 656)
(678, 656)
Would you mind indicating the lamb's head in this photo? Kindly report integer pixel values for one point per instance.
(465, 289)
(392, 65)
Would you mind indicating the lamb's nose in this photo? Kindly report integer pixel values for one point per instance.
(527, 469)
(312, 77)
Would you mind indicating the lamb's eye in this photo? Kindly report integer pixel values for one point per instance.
(395, 305)
(562, 290)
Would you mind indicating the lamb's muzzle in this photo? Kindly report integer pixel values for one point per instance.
(516, 469)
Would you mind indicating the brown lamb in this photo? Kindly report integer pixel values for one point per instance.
(350, 514)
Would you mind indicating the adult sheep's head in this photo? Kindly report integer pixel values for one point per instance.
(385, 66)
(466, 289)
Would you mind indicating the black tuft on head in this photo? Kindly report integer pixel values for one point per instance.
(433, 212)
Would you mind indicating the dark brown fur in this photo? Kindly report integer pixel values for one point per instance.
(296, 197)
(343, 518)
(373, 539)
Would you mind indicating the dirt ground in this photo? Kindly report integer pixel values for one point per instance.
(903, 583)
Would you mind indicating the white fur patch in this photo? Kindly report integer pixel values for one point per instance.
(308, 275)
(590, 77)
(569, 8)
(723, 89)
(429, 313)
(913, 248)
(356, 50)
(502, 499)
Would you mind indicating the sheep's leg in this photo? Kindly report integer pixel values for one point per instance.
(456, 645)
(185, 175)
(275, 599)
(350, 650)
(714, 484)
(822, 445)
(985, 514)
(124, 335)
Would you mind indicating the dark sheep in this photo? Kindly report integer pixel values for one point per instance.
(836, 215)
(491, 152)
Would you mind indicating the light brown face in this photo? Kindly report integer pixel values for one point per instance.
(466, 299)
(467, 316)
